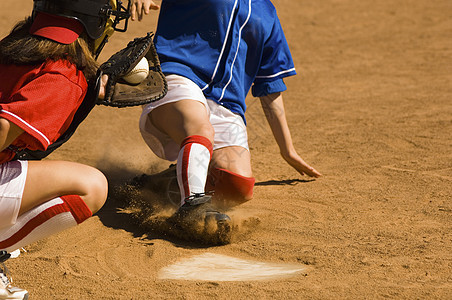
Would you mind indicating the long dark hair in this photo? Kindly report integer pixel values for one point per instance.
(22, 48)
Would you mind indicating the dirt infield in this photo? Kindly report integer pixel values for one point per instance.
(370, 108)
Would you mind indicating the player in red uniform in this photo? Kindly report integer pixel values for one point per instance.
(46, 63)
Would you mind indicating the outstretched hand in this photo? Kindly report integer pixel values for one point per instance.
(273, 107)
(140, 8)
(296, 162)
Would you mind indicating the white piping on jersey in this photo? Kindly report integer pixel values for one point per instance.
(28, 125)
(277, 74)
(224, 46)
(237, 52)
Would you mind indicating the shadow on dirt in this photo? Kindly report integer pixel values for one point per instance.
(134, 209)
(142, 205)
(283, 182)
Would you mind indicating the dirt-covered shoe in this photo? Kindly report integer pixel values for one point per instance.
(163, 184)
(7, 291)
(200, 220)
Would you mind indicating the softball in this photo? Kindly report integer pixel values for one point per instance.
(138, 73)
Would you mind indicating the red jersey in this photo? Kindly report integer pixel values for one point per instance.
(42, 100)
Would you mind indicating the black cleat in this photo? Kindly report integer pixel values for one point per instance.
(199, 220)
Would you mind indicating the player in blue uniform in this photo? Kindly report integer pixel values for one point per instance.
(213, 52)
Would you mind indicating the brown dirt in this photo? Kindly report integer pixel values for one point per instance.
(371, 109)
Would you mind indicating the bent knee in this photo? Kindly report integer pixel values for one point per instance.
(230, 189)
(208, 132)
(96, 190)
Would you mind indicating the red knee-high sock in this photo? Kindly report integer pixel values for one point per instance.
(44, 220)
(193, 164)
(229, 188)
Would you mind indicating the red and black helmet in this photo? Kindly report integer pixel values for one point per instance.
(92, 14)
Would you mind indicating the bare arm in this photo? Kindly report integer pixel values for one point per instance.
(103, 83)
(8, 133)
(273, 107)
(140, 8)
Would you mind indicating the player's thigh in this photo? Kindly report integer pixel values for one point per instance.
(233, 158)
(47, 180)
(181, 119)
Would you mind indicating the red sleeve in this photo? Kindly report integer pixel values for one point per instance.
(44, 108)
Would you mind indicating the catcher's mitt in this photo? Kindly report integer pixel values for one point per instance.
(118, 92)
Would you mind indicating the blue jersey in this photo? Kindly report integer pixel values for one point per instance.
(226, 47)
